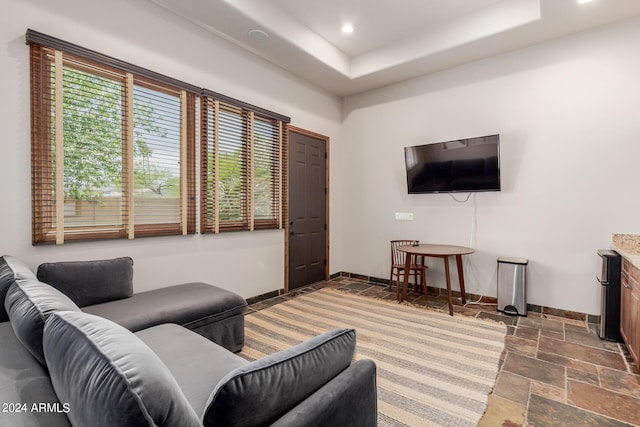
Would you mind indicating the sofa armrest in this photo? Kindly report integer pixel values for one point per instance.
(349, 399)
(262, 391)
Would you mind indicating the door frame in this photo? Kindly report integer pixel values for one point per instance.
(294, 129)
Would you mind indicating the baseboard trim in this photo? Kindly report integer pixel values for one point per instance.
(262, 297)
(550, 311)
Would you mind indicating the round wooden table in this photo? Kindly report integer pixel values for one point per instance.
(437, 251)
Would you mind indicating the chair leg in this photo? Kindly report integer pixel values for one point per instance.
(390, 279)
(394, 274)
(415, 280)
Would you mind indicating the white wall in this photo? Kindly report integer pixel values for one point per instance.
(251, 263)
(568, 113)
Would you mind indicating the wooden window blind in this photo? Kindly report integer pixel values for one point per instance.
(267, 173)
(241, 166)
(113, 151)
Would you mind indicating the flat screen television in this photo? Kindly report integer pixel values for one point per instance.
(463, 165)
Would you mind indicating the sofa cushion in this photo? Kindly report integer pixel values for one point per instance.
(23, 380)
(11, 269)
(109, 377)
(262, 391)
(196, 363)
(29, 304)
(90, 282)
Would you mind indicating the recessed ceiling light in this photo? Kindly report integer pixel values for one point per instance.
(583, 1)
(347, 28)
(258, 35)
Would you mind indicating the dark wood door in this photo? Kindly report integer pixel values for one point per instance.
(307, 209)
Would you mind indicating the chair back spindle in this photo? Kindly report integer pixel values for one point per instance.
(399, 257)
(398, 260)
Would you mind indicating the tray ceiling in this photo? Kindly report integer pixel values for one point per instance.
(392, 40)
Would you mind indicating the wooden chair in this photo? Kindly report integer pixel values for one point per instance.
(416, 267)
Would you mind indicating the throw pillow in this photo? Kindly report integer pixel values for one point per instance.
(11, 269)
(29, 303)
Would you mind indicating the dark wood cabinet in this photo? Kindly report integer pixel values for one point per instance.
(630, 308)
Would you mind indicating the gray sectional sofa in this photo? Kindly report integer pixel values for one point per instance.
(84, 350)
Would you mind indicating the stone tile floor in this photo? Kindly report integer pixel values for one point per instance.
(554, 371)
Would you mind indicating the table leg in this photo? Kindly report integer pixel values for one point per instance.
(461, 277)
(448, 277)
(407, 268)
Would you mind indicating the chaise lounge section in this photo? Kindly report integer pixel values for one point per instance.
(105, 288)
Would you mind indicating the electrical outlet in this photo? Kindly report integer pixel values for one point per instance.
(404, 216)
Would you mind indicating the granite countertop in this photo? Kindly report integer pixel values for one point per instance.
(628, 245)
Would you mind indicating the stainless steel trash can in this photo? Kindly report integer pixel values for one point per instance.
(512, 285)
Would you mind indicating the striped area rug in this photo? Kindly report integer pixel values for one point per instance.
(433, 369)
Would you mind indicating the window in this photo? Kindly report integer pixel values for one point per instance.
(242, 166)
(113, 150)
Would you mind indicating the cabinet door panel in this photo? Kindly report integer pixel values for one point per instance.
(630, 309)
(634, 328)
(625, 310)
